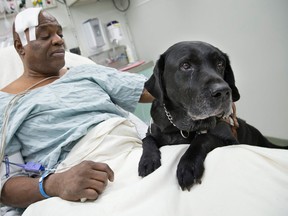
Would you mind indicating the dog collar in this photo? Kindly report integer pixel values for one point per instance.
(232, 120)
(170, 118)
(201, 132)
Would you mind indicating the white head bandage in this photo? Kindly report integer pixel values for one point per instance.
(27, 18)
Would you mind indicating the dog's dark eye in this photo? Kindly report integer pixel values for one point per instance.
(186, 66)
(220, 65)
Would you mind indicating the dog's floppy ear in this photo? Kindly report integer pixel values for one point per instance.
(229, 78)
(154, 83)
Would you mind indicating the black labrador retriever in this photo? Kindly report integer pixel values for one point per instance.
(194, 89)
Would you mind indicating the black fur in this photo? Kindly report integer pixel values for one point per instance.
(195, 83)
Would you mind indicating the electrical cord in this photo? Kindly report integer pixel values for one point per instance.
(7, 114)
(30, 166)
(5, 122)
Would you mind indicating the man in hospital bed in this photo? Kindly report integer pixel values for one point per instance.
(71, 123)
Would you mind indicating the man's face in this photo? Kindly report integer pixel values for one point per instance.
(45, 55)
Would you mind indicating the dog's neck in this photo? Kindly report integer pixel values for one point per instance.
(184, 133)
(202, 126)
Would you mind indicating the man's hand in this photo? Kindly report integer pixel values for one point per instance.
(85, 180)
(146, 97)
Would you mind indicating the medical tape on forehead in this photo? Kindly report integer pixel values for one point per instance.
(27, 19)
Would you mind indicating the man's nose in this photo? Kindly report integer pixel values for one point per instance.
(57, 39)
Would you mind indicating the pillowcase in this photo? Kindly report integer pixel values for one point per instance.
(11, 65)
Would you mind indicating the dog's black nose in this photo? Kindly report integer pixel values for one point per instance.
(220, 91)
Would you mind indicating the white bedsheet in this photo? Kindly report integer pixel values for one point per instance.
(238, 180)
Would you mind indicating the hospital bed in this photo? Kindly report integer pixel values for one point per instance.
(238, 180)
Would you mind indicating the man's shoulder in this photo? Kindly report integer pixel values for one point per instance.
(14, 87)
(92, 69)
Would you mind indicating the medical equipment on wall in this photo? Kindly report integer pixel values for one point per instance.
(129, 54)
(6, 38)
(121, 5)
(94, 33)
(8, 6)
(44, 3)
(114, 32)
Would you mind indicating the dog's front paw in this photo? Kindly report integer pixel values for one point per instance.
(189, 172)
(149, 163)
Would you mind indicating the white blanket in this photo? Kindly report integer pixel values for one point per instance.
(238, 180)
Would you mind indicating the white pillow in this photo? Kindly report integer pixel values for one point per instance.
(11, 65)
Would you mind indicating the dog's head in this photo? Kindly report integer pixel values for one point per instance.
(196, 78)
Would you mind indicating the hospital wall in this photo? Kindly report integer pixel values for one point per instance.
(254, 33)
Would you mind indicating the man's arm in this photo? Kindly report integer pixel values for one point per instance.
(146, 97)
(85, 180)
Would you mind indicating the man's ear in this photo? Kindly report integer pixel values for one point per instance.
(229, 78)
(18, 46)
(154, 84)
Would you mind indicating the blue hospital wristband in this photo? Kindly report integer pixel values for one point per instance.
(41, 181)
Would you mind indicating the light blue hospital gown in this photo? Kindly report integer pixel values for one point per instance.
(47, 122)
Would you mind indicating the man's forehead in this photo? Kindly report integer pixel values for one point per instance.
(45, 18)
(48, 25)
(47, 21)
